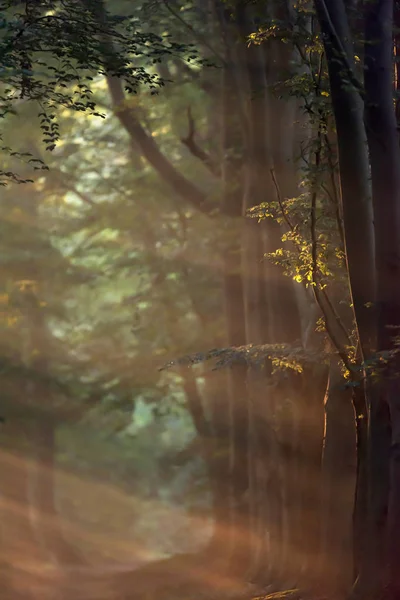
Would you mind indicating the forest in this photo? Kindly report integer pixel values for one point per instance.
(200, 300)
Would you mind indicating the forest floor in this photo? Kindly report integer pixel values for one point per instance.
(199, 577)
(182, 577)
(185, 577)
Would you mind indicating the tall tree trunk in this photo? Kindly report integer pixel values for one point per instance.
(348, 111)
(233, 135)
(353, 165)
(235, 316)
(384, 150)
(270, 300)
(257, 301)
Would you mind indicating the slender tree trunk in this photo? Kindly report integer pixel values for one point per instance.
(270, 299)
(257, 305)
(232, 211)
(41, 484)
(216, 397)
(18, 537)
(235, 315)
(214, 436)
(338, 477)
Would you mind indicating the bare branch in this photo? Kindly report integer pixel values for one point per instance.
(280, 202)
(145, 142)
(195, 149)
(197, 35)
(150, 150)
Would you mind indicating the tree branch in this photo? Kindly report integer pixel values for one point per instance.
(280, 202)
(320, 294)
(195, 149)
(321, 297)
(336, 195)
(197, 35)
(150, 150)
(69, 187)
(146, 143)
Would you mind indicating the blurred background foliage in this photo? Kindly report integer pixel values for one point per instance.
(103, 272)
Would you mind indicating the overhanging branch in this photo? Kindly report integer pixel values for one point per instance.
(146, 143)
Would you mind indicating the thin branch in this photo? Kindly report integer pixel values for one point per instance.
(335, 191)
(319, 294)
(314, 252)
(68, 187)
(314, 242)
(336, 315)
(62, 179)
(195, 149)
(331, 31)
(280, 202)
(197, 35)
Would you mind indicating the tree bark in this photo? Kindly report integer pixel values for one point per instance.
(232, 208)
(384, 151)
(353, 165)
(338, 478)
(348, 108)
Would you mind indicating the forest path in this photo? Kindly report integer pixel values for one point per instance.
(183, 577)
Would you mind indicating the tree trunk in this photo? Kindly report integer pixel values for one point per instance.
(348, 111)
(41, 484)
(338, 478)
(216, 397)
(384, 150)
(18, 538)
(214, 438)
(353, 165)
(235, 316)
(271, 309)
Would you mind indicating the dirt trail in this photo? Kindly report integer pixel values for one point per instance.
(182, 577)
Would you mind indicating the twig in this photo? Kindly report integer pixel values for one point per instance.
(280, 202)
